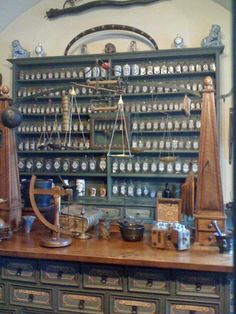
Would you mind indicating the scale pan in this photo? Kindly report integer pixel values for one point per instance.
(120, 155)
(168, 158)
(137, 150)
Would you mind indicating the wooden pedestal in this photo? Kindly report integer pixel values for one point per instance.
(11, 206)
(209, 199)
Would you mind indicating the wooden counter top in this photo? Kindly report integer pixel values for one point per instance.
(116, 251)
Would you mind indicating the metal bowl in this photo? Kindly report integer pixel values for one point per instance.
(131, 232)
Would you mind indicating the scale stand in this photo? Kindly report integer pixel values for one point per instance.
(55, 240)
(121, 114)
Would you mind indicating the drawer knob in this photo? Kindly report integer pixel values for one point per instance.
(134, 309)
(210, 238)
(19, 272)
(59, 274)
(104, 279)
(198, 286)
(149, 283)
(31, 297)
(210, 226)
(81, 304)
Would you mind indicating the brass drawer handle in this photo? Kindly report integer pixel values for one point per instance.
(59, 274)
(19, 272)
(31, 297)
(198, 287)
(81, 304)
(104, 279)
(149, 283)
(134, 309)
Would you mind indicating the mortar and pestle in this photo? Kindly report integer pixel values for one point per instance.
(224, 240)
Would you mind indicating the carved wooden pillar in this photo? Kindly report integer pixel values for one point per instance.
(209, 198)
(10, 204)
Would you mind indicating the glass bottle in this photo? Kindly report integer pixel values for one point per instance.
(167, 192)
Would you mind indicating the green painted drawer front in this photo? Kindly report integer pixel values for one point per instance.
(31, 297)
(81, 303)
(146, 214)
(130, 305)
(149, 280)
(32, 311)
(191, 307)
(2, 293)
(19, 269)
(111, 213)
(103, 277)
(59, 273)
(198, 284)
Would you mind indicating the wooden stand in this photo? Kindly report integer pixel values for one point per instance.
(11, 207)
(209, 199)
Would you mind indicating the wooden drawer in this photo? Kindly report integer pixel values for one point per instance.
(3, 311)
(206, 225)
(81, 302)
(191, 307)
(2, 293)
(31, 297)
(19, 269)
(33, 311)
(145, 214)
(131, 305)
(198, 284)
(59, 273)
(149, 280)
(206, 238)
(110, 213)
(103, 277)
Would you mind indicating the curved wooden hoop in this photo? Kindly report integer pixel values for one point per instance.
(55, 192)
(110, 27)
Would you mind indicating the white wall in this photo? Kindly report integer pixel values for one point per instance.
(162, 20)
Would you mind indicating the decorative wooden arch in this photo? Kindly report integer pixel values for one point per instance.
(110, 27)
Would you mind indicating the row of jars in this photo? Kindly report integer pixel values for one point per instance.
(154, 165)
(163, 68)
(51, 108)
(173, 143)
(63, 73)
(32, 144)
(150, 68)
(130, 188)
(108, 126)
(50, 92)
(165, 124)
(144, 106)
(134, 107)
(38, 127)
(65, 165)
(146, 88)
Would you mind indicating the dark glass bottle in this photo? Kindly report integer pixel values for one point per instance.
(167, 192)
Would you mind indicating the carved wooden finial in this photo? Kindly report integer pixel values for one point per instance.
(208, 83)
